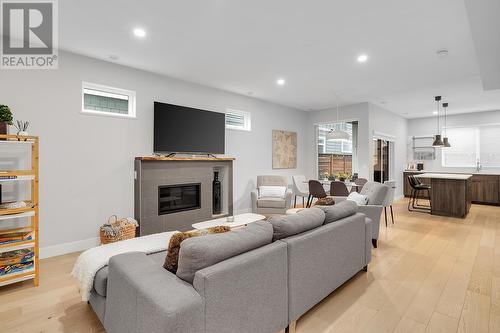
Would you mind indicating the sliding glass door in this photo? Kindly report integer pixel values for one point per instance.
(382, 160)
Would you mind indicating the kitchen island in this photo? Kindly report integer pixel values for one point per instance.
(450, 193)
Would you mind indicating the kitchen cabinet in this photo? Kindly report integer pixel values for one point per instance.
(485, 189)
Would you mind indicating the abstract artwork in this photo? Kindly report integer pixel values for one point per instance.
(284, 149)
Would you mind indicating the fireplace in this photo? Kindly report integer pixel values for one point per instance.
(178, 198)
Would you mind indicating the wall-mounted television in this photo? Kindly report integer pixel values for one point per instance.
(181, 129)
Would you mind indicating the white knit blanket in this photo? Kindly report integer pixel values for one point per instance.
(92, 260)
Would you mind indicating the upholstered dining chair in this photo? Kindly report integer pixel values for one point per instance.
(389, 199)
(338, 189)
(316, 190)
(360, 182)
(300, 188)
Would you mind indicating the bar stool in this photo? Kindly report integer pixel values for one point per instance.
(416, 187)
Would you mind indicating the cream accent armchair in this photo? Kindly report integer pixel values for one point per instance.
(275, 204)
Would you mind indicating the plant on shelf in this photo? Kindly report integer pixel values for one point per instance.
(5, 119)
(22, 127)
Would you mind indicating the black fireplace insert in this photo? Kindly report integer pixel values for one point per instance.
(178, 198)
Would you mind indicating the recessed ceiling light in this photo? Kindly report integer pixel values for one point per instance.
(442, 53)
(434, 112)
(139, 32)
(280, 82)
(362, 58)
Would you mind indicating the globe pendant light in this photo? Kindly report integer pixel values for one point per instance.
(337, 134)
(438, 142)
(445, 139)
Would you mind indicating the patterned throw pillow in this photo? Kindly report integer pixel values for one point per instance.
(174, 246)
(325, 202)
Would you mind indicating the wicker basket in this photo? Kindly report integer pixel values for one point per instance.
(125, 230)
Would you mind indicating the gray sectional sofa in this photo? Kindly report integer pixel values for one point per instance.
(259, 278)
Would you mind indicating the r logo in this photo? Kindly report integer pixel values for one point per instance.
(27, 27)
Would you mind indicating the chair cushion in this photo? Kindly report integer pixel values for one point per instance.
(339, 211)
(375, 192)
(272, 191)
(201, 252)
(289, 225)
(101, 277)
(360, 199)
(271, 202)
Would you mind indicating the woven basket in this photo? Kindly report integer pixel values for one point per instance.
(125, 229)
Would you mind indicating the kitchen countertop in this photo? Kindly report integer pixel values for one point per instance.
(444, 176)
(456, 173)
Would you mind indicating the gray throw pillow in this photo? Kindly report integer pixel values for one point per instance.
(339, 211)
(289, 225)
(201, 252)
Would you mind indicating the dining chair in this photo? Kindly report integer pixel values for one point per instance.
(338, 189)
(360, 182)
(389, 199)
(300, 189)
(316, 190)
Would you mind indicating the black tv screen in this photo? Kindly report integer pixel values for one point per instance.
(181, 129)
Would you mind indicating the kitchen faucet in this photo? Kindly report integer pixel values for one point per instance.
(478, 166)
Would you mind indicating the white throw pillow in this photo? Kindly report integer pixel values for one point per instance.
(272, 191)
(360, 199)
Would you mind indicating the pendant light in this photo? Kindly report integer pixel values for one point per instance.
(445, 139)
(438, 142)
(337, 134)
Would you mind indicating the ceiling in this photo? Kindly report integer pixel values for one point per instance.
(245, 46)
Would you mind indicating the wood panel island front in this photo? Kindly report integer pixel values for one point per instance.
(450, 193)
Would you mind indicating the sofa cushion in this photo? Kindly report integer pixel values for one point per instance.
(289, 225)
(375, 192)
(172, 257)
(201, 252)
(339, 211)
(101, 277)
(271, 202)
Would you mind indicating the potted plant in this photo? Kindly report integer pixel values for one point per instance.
(5, 119)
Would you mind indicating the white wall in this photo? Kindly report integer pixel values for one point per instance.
(428, 127)
(86, 162)
(384, 123)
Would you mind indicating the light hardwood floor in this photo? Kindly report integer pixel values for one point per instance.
(429, 274)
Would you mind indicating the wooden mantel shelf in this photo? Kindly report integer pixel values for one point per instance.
(164, 158)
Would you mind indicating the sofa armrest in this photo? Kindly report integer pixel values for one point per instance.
(373, 212)
(143, 297)
(255, 196)
(368, 239)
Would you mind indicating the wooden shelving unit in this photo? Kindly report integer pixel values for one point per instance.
(31, 211)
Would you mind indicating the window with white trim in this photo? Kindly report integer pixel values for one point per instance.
(238, 120)
(108, 101)
(470, 145)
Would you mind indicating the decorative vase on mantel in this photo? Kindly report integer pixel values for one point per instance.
(216, 195)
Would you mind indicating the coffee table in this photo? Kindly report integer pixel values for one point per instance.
(239, 221)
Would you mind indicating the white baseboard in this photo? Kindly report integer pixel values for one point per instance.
(64, 248)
